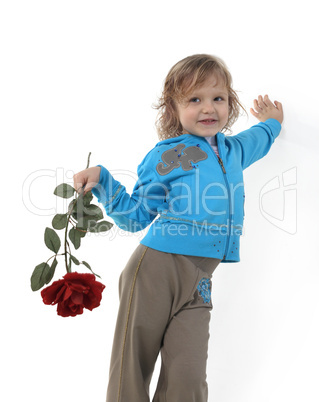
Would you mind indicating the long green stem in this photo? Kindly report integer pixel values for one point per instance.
(88, 162)
(68, 270)
(66, 244)
(66, 236)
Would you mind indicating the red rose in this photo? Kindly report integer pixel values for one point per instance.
(73, 293)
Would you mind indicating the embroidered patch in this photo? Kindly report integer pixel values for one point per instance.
(204, 289)
(175, 158)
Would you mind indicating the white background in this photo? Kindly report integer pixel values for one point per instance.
(80, 76)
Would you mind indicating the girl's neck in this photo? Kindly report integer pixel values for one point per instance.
(212, 140)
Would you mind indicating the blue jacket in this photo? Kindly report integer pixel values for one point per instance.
(197, 198)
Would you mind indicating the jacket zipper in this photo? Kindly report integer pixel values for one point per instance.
(220, 161)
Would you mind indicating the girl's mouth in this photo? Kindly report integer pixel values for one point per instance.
(208, 121)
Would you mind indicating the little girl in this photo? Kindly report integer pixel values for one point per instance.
(192, 183)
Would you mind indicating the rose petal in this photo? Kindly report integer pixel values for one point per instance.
(77, 298)
(50, 293)
(64, 310)
(78, 287)
(67, 294)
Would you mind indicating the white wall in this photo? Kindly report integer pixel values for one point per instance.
(80, 76)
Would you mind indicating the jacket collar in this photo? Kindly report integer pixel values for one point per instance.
(220, 137)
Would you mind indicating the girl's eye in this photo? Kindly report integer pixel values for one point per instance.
(194, 100)
(218, 99)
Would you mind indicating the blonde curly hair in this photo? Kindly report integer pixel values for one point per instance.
(182, 79)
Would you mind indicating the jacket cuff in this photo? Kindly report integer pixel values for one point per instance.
(106, 188)
(274, 126)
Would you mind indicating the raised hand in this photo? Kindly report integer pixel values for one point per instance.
(264, 109)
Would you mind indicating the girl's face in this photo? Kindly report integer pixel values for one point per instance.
(205, 111)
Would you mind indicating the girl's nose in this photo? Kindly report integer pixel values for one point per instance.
(208, 107)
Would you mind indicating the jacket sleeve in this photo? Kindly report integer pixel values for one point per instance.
(256, 142)
(131, 212)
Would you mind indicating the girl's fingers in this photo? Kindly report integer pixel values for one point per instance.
(267, 101)
(252, 111)
(257, 105)
(278, 105)
(264, 102)
(78, 182)
(87, 179)
(265, 109)
(261, 102)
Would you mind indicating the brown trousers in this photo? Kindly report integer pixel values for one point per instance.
(164, 307)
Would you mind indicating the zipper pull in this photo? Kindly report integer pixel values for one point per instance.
(221, 164)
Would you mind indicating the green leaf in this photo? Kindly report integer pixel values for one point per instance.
(75, 238)
(52, 240)
(75, 260)
(86, 215)
(85, 199)
(94, 212)
(64, 190)
(88, 266)
(102, 226)
(51, 272)
(88, 197)
(39, 275)
(59, 221)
